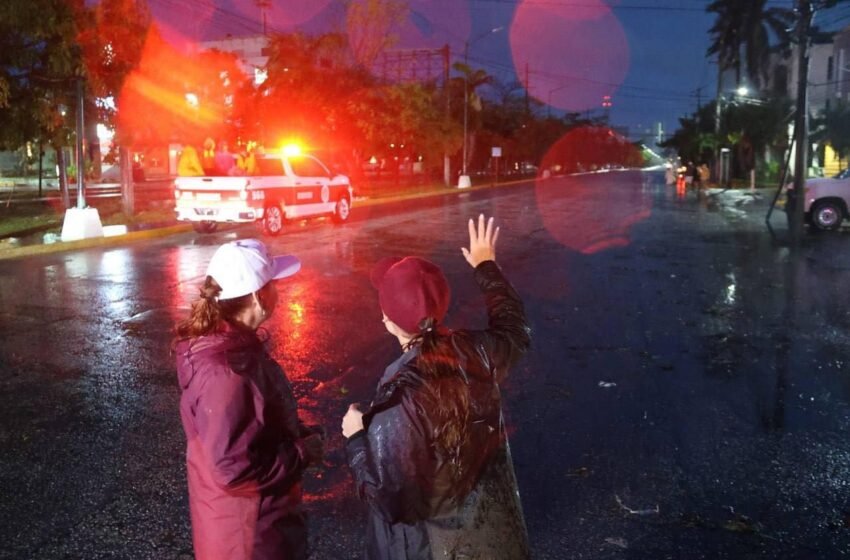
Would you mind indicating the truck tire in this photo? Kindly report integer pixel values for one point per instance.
(342, 210)
(827, 215)
(273, 217)
(205, 226)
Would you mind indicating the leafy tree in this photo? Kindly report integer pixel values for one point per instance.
(741, 34)
(755, 128)
(833, 126)
(370, 25)
(695, 139)
(46, 46)
(318, 91)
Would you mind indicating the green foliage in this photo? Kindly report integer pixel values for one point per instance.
(370, 25)
(46, 46)
(833, 126)
(319, 92)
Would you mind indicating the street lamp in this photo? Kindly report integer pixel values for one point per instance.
(466, 86)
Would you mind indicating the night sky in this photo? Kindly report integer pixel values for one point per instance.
(648, 55)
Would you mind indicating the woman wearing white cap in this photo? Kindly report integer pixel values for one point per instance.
(246, 447)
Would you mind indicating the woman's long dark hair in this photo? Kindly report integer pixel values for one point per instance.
(447, 385)
(209, 313)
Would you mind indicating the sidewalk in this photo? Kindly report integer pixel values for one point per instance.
(43, 241)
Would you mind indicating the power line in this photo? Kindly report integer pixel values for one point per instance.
(635, 7)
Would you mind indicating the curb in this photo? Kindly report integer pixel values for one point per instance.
(134, 236)
(60, 246)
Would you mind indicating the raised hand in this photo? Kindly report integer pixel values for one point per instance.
(482, 242)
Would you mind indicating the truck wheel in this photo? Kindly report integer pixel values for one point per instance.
(342, 210)
(205, 226)
(273, 220)
(827, 215)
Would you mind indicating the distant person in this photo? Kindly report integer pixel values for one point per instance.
(695, 178)
(189, 164)
(246, 447)
(246, 162)
(208, 158)
(704, 174)
(430, 457)
(224, 160)
(689, 171)
(669, 174)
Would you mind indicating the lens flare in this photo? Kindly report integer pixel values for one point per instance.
(582, 205)
(279, 16)
(430, 24)
(153, 102)
(569, 55)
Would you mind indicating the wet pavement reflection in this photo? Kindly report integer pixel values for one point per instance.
(686, 395)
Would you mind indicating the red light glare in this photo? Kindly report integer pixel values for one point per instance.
(579, 210)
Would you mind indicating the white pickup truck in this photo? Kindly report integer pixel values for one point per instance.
(286, 187)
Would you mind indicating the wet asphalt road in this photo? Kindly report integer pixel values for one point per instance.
(686, 395)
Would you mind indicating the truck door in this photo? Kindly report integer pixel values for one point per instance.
(312, 186)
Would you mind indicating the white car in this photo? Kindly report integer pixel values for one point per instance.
(827, 201)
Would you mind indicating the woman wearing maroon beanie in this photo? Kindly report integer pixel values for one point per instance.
(430, 457)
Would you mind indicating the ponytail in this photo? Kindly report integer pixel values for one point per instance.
(209, 312)
(447, 385)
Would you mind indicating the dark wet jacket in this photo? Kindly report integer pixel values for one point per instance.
(243, 464)
(417, 508)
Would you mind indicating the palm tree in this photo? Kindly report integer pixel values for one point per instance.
(741, 34)
(833, 127)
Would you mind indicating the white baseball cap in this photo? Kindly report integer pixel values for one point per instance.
(244, 266)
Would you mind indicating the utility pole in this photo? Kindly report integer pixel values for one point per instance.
(717, 108)
(801, 124)
(527, 88)
(263, 5)
(447, 162)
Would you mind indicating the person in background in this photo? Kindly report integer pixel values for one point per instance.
(224, 160)
(189, 164)
(430, 457)
(208, 157)
(704, 174)
(246, 447)
(246, 162)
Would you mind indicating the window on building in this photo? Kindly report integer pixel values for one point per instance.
(829, 69)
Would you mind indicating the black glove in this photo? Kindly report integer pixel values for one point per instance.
(311, 448)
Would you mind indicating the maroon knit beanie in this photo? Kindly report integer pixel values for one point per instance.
(409, 290)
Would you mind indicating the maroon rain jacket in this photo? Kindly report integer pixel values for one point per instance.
(243, 464)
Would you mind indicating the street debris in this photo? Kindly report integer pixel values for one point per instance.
(648, 511)
(607, 384)
(582, 472)
(617, 542)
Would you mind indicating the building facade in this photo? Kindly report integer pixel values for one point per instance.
(829, 84)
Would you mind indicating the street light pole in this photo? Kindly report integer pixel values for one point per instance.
(81, 158)
(465, 100)
(466, 88)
